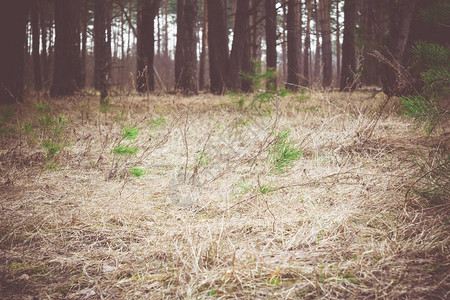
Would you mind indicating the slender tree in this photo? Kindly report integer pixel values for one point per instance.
(12, 31)
(84, 18)
(217, 45)
(240, 57)
(317, 56)
(307, 48)
(403, 14)
(44, 29)
(348, 47)
(256, 29)
(36, 45)
(338, 42)
(66, 51)
(327, 55)
(203, 55)
(145, 81)
(271, 39)
(100, 49)
(186, 50)
(292, 45)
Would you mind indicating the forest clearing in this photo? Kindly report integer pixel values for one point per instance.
(167, 197)
(225, 149)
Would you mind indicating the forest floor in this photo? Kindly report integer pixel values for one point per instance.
(165, 197)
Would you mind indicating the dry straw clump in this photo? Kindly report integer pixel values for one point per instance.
(207, 218)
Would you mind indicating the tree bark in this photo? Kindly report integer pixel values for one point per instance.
(327, 55)
(36, 45)
(186, 49)
(307, 48)
(218, 45)
(292, 45)
(240, 57)
(100, 49)
(44, 54)
(203, 55)
(12, 31)
(317, 61)
(271, 40)
(338, 42)
(145, 81)
(256, 27)
(284, 43)
(399, 33)
(66, 51)
(348, 47)
(84, 29)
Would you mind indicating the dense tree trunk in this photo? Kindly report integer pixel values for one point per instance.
(186, 49)
(307, 48)
(348, 47)
(284, 43)
(256, 27)
(399, 33)
(271, 40)
(66, 51)
(299, 31)
(217, 45)
(203, 55)
(371, 27)
(240, 57)
(12, 31)
(317, 61)
(84, 28)
(44, 55)
(109, 17)
(292, 45)
(100, 49)
(36, 45)
(327, 54)
(145, 81)
(338, 42)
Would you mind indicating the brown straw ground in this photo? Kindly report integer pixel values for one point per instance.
(208, 220)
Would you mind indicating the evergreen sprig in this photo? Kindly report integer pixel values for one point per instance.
(283, 154)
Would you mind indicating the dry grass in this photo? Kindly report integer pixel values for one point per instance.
(336, 226)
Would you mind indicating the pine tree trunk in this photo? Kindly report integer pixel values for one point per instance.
(44, 54)
(399, 33)
(271, 40)
(256, 29)
(66, 51)
(109, 17)
(338, 43)
(348, 47)
(36, 38)
(145, 81)
(186, 49)
(84, 29)
(317, 61)
(100, 49)
(218, 45)
(240, 57)
(370, 27)
(307, 48)
(166, 28)
(203, 55)
(292, 45)
(12, 30)
(284, 43)
(299, 31)
(327, 55)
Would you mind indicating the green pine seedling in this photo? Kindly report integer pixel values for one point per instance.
(130, 133)
(137, 172)
(283, 154)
